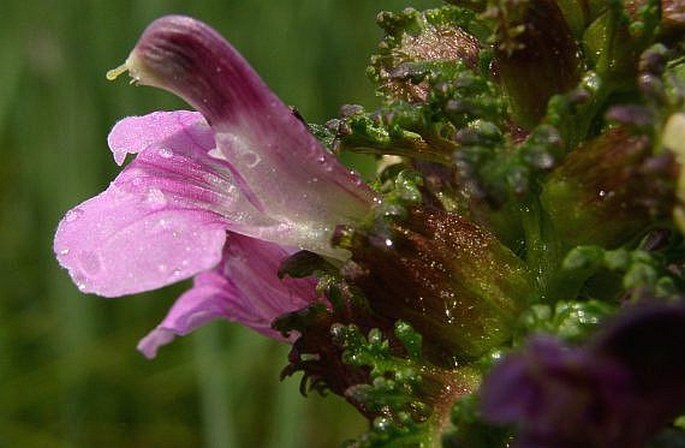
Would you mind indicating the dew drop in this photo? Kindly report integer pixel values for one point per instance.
(74, 214)
(80, 281)
(155, 198)
(90, 262)
(382, 424)
(166, 153)
(64, 252)
(544, 161)
(450, 317)
(216, 153)
(604, 194)
(337, 331)
(251, 158)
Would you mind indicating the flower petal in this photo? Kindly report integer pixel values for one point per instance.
(253, 266)
(296, 180)
(114, 244)
(199, 305)
(186, 170)
(162, 220)
(133, 134)
(244, 288)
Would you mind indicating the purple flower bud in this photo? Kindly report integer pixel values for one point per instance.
(618, 390)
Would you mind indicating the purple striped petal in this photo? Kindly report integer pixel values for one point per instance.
(133, 134)
(295, 179)
(163, 219)
(245, 288)
(117, 243)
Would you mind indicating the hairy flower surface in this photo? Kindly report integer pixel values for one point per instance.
(227, 192)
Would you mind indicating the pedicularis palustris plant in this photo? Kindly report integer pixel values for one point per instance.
(513, 276)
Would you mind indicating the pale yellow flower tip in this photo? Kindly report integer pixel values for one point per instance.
(673, 138)
(116, 72)
(135, 71)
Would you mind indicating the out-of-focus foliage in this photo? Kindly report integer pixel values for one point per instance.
(69, 372)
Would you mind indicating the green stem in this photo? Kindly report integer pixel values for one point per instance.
(542, 247)
(212, 378)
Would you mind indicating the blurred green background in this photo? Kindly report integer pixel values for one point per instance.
(69, 372)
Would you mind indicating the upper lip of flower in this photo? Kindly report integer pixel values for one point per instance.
(267, 145)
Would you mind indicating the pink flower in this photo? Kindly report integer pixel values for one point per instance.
(223, 195)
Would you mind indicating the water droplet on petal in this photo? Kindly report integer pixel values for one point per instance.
(80, 281)
(166, 153)
(251, 158)
(382, 424)
(202, 124)
(74, 214)
(64, 252)
(90, 262)
(216, 154)
(155, 198)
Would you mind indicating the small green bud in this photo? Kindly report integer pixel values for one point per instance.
(416, 42)
(609, 190)
(541, 60)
